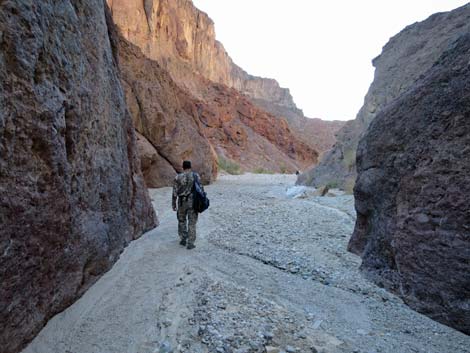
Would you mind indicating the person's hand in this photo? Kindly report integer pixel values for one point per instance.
(174, 208)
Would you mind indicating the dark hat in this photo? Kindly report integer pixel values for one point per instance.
(187, 165)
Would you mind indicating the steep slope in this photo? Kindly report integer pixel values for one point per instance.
(222, 123)
(316, 133)
(71, 192)
(413, 189)
(406, 57)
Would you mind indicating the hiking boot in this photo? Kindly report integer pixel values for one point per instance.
(190, 246)
(183, 242)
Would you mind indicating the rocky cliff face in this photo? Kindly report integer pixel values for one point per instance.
(404, 59)
(71, 192)
(412, 192)
(175, 125)
(181, 39)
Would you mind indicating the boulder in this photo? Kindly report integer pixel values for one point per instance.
(157, 171)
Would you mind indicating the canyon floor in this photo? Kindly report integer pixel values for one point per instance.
(269, 270)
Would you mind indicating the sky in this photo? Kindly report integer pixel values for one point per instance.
(320, 49)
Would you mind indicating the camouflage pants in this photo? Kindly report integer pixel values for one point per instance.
(187, 219)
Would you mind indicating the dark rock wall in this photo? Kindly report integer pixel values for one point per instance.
(404, 59)
(71, 192)
(413, 191)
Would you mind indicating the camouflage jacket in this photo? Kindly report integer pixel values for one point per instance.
(183, 185)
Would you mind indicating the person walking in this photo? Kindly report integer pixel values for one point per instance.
(182, 203)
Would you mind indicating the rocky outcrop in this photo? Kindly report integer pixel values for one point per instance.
(71, 192)
(221, 123)
(413, 188)
(405, 58)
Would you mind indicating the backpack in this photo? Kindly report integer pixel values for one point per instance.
(200, 200)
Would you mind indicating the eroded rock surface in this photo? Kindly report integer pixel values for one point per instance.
(71, 191)
(404, 59)
(412, 192)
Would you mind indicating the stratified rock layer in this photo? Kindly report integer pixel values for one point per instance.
(413, 191)
(71, 192)
(405, 58)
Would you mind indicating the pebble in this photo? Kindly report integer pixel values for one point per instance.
(317, 323)
(271, 349)
(165, 347)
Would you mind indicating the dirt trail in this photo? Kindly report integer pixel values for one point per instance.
(268, 270)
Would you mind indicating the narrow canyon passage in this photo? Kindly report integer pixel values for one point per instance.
(268, 270)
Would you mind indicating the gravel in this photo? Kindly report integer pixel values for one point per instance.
(270, 273)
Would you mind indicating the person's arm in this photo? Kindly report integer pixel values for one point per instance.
(174, 196)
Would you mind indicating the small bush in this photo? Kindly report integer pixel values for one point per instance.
(332, 184)
(284, 169)
(229, 166)
(262, 171)
(349, 186)
(349, 159)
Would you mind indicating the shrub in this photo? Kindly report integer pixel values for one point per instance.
(349, 159)
(284, 169)
(332, 184)
(229, 166)
(262, 171)
(349, 186)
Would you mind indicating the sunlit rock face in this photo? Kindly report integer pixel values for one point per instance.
(71, 192)
(404, 59)
(412, 192)
(182, 39)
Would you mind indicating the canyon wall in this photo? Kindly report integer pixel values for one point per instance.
(174, 125)
(412, 192)
(404, 59)
(71, 192)
(181, 39)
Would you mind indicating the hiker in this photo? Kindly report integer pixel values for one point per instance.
(183, 187)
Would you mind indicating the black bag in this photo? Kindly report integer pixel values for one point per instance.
(200, 200)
